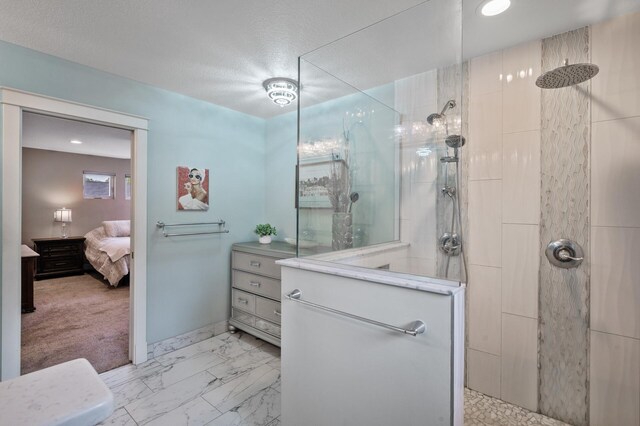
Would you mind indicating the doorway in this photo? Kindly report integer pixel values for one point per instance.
(14, 103)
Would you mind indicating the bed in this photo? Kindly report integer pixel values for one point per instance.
(108, 249)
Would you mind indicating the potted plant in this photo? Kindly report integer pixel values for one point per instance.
(265, 231)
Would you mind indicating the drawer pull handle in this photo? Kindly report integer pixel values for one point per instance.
(255, 263)
(277, 313)
(241, 300)
(254, 283)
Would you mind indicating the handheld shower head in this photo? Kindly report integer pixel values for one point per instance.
(438, 118)
(455, 141)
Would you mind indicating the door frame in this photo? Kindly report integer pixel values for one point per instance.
(12, 103)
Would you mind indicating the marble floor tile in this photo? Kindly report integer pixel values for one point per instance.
(259, 410)
(120, 417)
(234, 379)
(130, 372)
(128, 392)
(244, 363)
(276, 422)
(194, 413)
(233, 393)
(183, 369)
(178, 342)
(160, 403)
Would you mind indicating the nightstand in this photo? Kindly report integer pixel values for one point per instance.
(59, 256)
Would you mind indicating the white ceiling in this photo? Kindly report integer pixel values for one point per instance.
(221, 51)
(55, 134)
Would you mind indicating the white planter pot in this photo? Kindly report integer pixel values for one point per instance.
(265, 240)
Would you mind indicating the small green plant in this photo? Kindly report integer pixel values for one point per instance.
(265, 229)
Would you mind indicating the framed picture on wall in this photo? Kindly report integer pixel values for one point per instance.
(193, 188)
(313, 184)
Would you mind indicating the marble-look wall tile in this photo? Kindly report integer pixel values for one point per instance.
(521, 178)
(521, 97)
(615, 162)
(485, 74)
(616, 89)
(565, 213)
(483, 372)
(520, 269)
(615, 281)
(614, 380)
(484, 309)
(485, 136)
(519, 361)
(485, 223)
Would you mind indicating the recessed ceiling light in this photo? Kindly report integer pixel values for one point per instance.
(493, 7)
(75, 141)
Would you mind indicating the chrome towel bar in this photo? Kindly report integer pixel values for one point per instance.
(163, 226)
(415, 328)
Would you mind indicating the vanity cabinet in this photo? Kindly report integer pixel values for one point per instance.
(255, 288)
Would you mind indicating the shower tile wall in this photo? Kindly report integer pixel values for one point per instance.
(505, 244)
(504, 211)
(615, 225)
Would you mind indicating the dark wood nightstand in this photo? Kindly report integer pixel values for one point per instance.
(59, 256)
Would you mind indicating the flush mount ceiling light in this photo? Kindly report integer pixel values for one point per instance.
(493, 7)
(75, 141)
(282, 91)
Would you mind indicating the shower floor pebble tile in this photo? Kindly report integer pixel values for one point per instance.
(234, 379)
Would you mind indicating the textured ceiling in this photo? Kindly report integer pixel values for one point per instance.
(221, 51)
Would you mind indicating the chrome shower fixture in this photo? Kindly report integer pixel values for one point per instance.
(567, 75)
(436, 119)
(455, 141)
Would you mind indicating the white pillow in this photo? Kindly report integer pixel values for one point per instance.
(117, 228)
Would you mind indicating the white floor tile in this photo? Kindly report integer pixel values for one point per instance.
(194, 413)
(238, 390)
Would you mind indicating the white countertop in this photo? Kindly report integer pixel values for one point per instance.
(65, 394)
(414, 282)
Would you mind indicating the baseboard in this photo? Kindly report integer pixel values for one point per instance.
(168, 345)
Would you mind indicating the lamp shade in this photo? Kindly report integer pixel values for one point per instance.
(62, 215)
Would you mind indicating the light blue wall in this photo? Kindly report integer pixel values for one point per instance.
(188, 278)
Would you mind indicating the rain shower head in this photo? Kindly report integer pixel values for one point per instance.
(437, 119)
(567, 75)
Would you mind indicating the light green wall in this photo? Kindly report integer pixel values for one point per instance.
(188, 278)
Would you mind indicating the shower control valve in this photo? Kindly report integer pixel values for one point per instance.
(564, 253)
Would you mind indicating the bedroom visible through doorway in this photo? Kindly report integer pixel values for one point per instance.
(76, 223)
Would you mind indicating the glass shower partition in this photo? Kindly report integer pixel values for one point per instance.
(378, 181)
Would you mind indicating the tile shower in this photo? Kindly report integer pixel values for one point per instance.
(540, 165)
(549, 164)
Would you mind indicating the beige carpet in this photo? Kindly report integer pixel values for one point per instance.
(76, 317)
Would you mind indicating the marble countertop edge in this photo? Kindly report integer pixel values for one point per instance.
(414, 282)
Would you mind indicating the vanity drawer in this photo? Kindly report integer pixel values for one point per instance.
(255, 263)
(243, 301)
(243, 317)
(267, 309)
(268, 327)
(256, 284)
